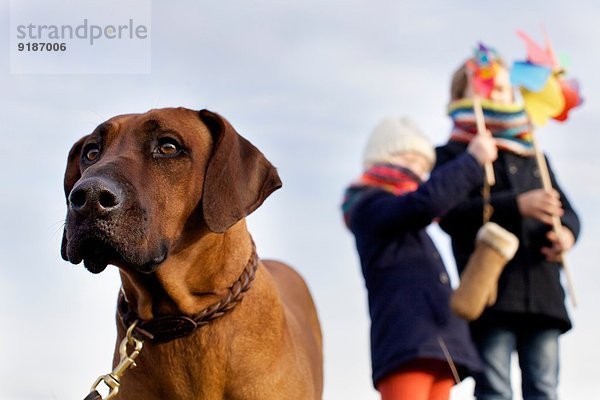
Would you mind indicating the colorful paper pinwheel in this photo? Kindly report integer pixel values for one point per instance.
(546, 92)
(483, 68)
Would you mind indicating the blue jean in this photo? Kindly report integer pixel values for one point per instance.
(538, 360)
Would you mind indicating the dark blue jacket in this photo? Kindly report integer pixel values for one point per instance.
(407, 283)
(529, 289)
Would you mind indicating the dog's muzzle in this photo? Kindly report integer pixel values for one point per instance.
(103, 227)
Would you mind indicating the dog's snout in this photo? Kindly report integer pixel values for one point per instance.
(95, 195)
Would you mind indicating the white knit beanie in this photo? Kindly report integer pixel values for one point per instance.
(393, 136)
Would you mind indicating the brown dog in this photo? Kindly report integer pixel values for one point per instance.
(163, 196)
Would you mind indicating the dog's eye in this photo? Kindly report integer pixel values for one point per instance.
(168, 147)
(91, 153)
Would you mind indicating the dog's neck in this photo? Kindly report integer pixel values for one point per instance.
(193, 277)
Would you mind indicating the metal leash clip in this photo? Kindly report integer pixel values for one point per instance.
(112, 380)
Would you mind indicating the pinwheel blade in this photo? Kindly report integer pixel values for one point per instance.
(530, 76)
(545, 104)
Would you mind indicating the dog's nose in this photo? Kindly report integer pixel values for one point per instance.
(95, 195)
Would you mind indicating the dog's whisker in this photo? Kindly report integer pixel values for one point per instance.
(58, 230)
(60, 221)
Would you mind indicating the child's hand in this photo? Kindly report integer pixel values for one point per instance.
(560, 244)
(540, 204)
(483, 148)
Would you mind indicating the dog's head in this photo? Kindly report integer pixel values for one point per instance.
(139, 183)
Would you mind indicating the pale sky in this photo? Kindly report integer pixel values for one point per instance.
(305, 82)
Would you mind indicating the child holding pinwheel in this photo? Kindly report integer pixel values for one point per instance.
(529, 313)
(419, 349)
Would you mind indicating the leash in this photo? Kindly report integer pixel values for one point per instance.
(166, 328)
(112, 379)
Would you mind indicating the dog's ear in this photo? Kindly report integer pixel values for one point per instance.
(72, 172)
(238, 177)
(72, 175)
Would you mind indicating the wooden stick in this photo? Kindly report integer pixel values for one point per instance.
(556, 224)
(481, 130)
(449, 360)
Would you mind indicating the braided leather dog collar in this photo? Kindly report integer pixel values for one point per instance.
(169, 327)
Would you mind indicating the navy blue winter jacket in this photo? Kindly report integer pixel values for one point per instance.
(529, 289)
(408, 287)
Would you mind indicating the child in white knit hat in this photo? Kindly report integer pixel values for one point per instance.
(400, 141)
(418, 348)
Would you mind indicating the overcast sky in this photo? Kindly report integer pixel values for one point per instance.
(305, 82)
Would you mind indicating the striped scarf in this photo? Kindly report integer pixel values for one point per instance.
(391, 178)
(509, 125)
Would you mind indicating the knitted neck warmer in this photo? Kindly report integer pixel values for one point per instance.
(508, 123)
(391, 178)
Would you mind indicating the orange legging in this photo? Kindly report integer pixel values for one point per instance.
(421, 379)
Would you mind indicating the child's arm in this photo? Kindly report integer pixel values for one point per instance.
(510, 208)
(540, 204)
(468, 216)
(448, 186)
(543, 206)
